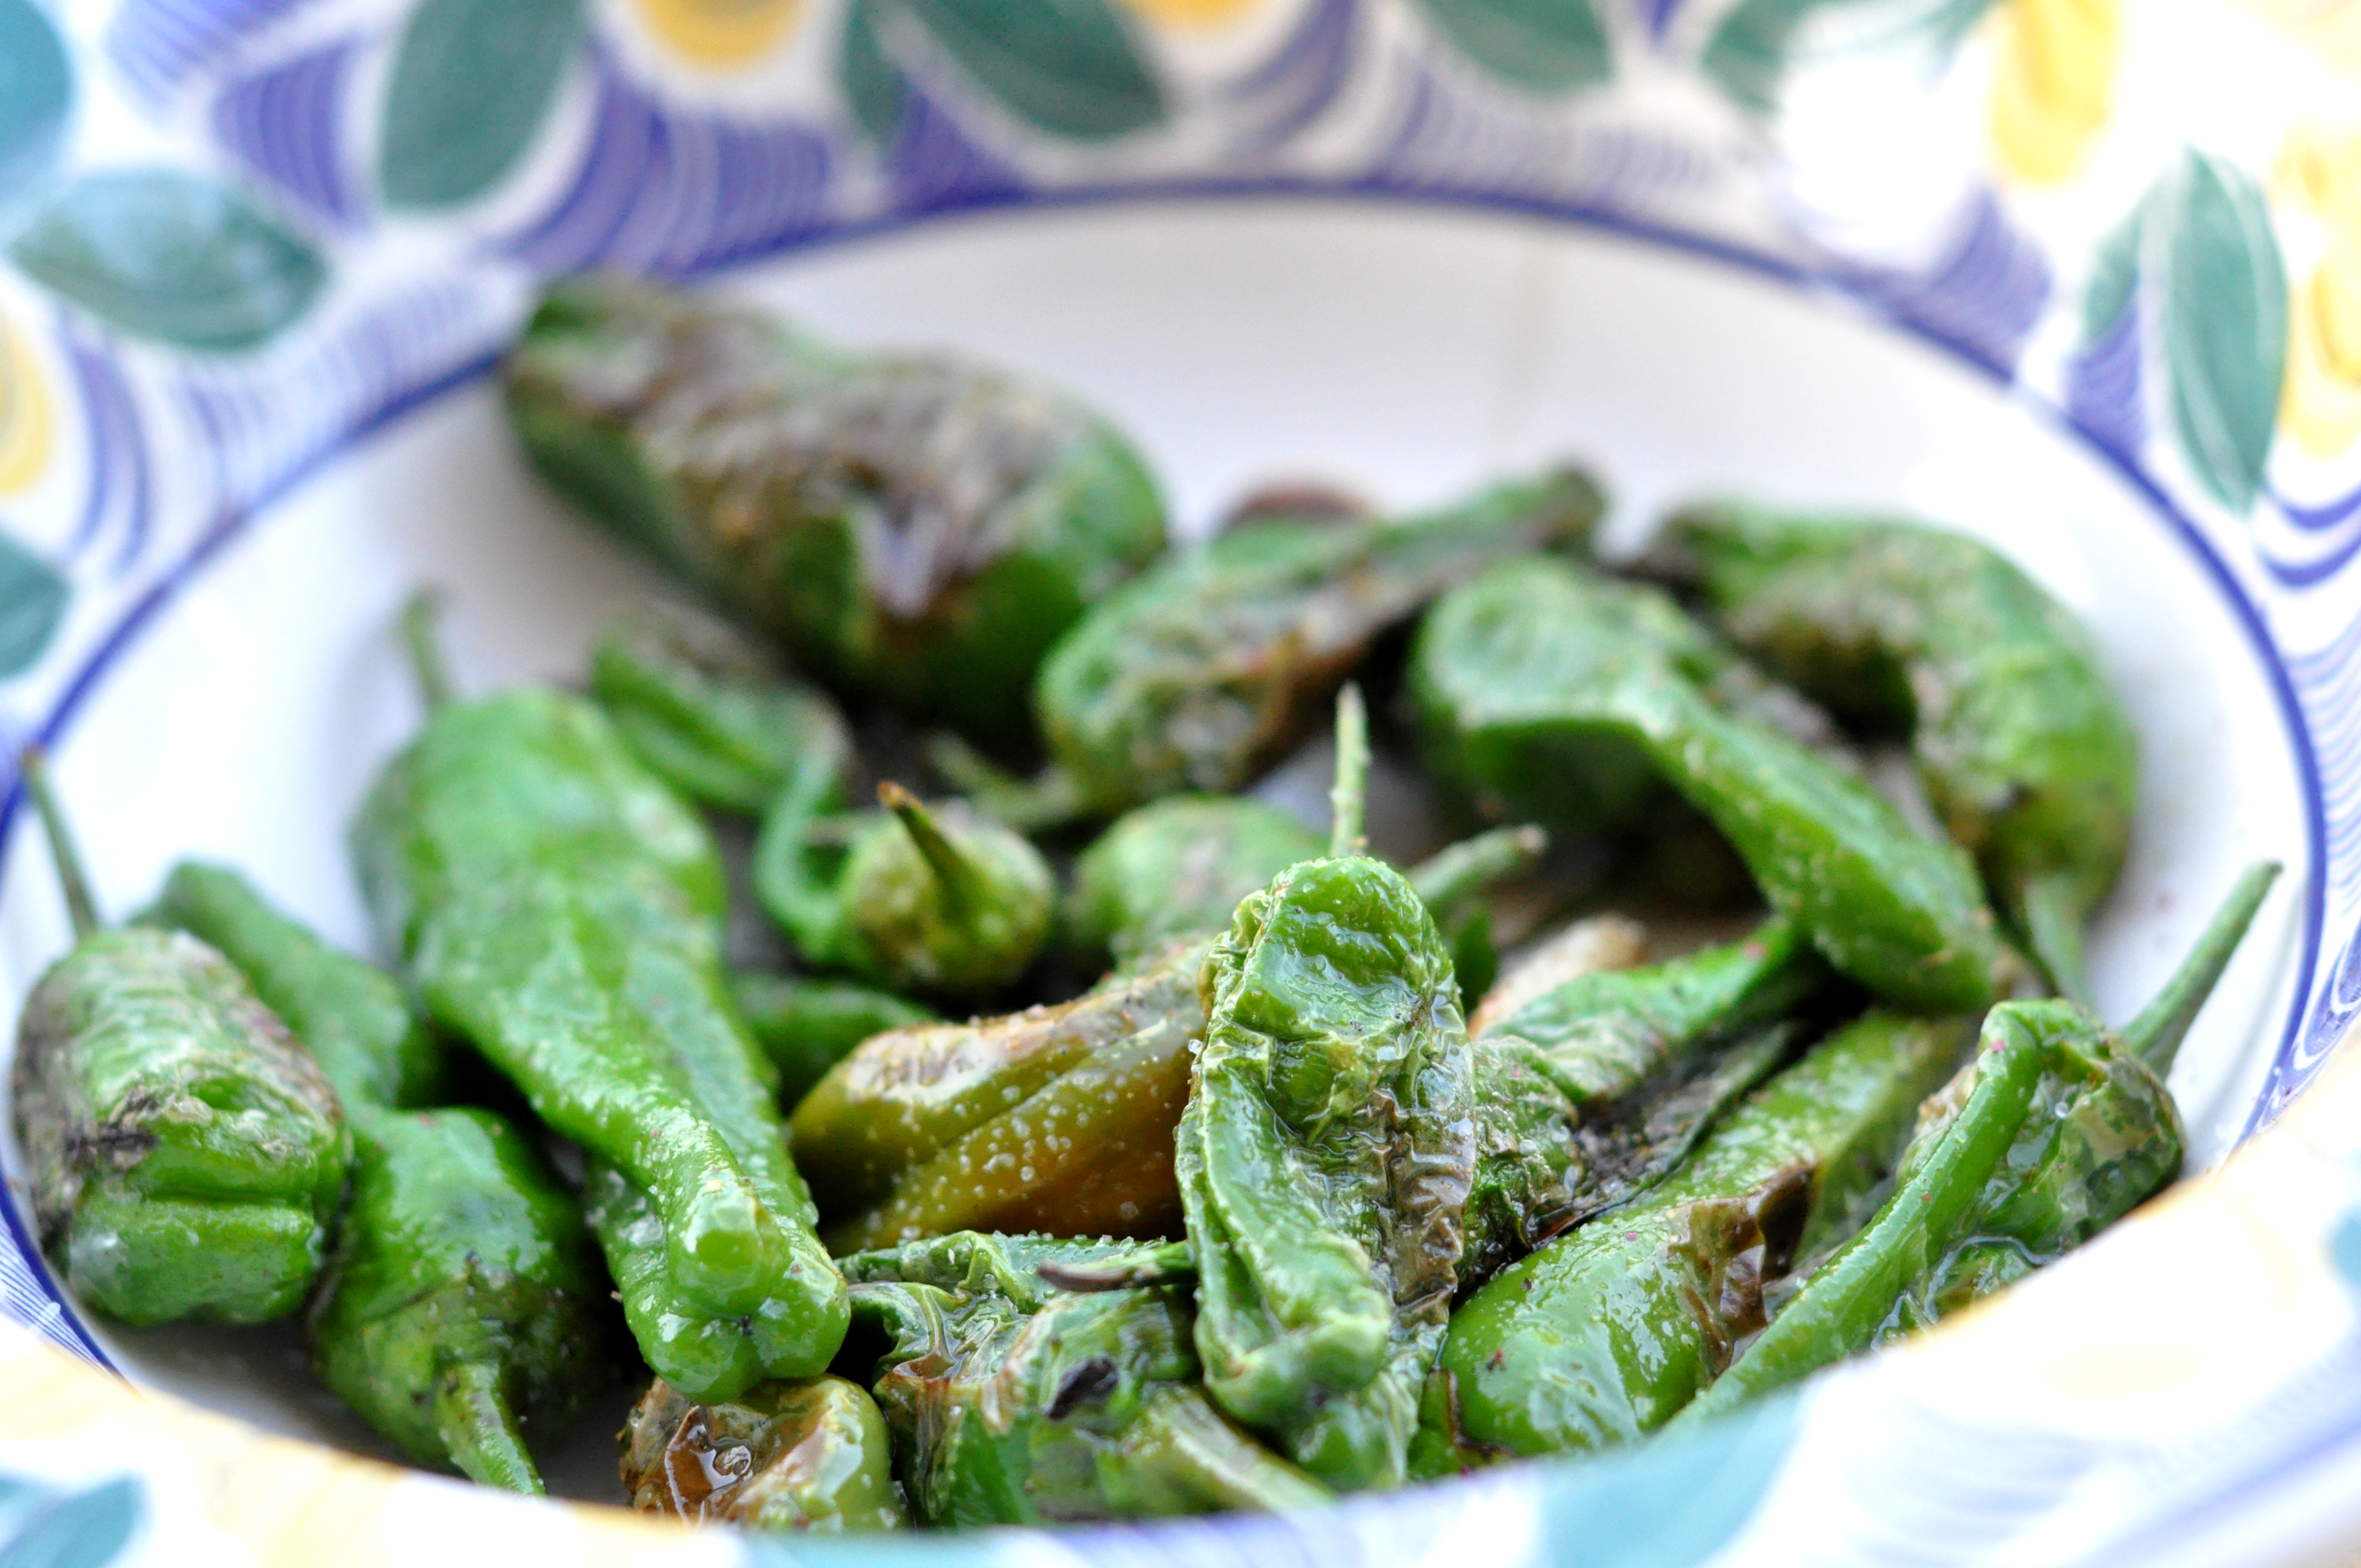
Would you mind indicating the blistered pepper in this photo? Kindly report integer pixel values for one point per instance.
(1553, 692)
(1217, 661)
(806, 1026)
(2025, 751)
(1605, 1334)
(560, 907)
(782, 1458)
(184, 1155)
(463, 1301)
(917, 529)
(2056, 1129)
(940, 901)
(1013, 1402)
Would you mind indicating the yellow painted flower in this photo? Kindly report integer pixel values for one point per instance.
(26, 424)
(2053, 83)
(2331, 30)
(1182, 14)
(2318, 173)
(722, 33)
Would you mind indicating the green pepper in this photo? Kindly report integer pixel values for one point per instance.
(1055, 1118)
(462, 1300)
(1025, 1269)
(1563, 696)
(807, 1027)
(1216, 662)
(809, 1456)
(915, 530)
(1325, 1155)
(2025, 752)
(940, 901)
(184, 1155)
(562, 909)
(1589, 1093)
(704, 708)
(1037, 1406)
(1452, 883)
(1177, 867)
(2057, 1128)
(1605, 1332)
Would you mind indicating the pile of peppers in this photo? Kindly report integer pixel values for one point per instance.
(1091, 1131)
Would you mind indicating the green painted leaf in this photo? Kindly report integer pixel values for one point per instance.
(36, 93)
(2114, 272)
(1548, 46)
(172, 257)
(873, 84)
(1749, 53)
(471, 83)
(2224, 308)
(33, 597)
(1067, 67)
(88, 1529)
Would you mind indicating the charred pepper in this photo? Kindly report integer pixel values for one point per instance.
(807, 1027)
(809, 1456)
(559, 906)
(917, 529)
(185, 1157)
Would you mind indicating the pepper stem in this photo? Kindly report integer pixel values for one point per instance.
(33, 766)
(422, 638)
(479, 1431)
(954, 870)
(2052, 917)
(2156, 1034)
(1048, 799)
(1461, 870)
(1349, 799)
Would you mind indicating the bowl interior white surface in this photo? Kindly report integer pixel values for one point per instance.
(1410, 352)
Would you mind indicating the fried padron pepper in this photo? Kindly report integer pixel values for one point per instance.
(463, 1301)
(2024, 750)
(917, 530)
(805, 1457)
(184, 1155)
(560, 907)
(1551, 692)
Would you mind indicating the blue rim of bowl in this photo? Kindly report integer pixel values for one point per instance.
(135, 620)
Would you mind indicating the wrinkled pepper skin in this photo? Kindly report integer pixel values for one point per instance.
(1045, 1407)
(1024, 1268)
(1605, 1334)
(782, 1458)
(1215, 663)
(1324, 1162)
(2025, 751)
(940, 901)
(1055, 1118)
(185, 1155)
(807, 1027)
(704, 708)
(1178, 866)
(917, 531)
(1553, 692)
(561, 908)
(463, 1301)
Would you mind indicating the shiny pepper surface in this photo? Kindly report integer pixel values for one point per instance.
(1552, 692)
(1605, 1334)
(807, 1027)
(462, 1300)
(917, 529)
(1324, 1163)
(1177, 868)
(1217, 661)
(2025, 751)
(559, 907)
(810, 1457)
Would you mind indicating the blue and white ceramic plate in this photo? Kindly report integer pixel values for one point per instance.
(2080, 278)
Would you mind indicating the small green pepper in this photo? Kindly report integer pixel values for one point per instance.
(704, 708)
(939, 901)
(184, 1155)
(1605, 1332)
(1178, 866)
(1325, 1155)
(782, 1458)
(917, 529)
(1040, 1406)
(1562, 696)
(462, 1300)
(2025, 752)
(807, 1027)
(1217, 661)
(2055, 1130)
(560, 907)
